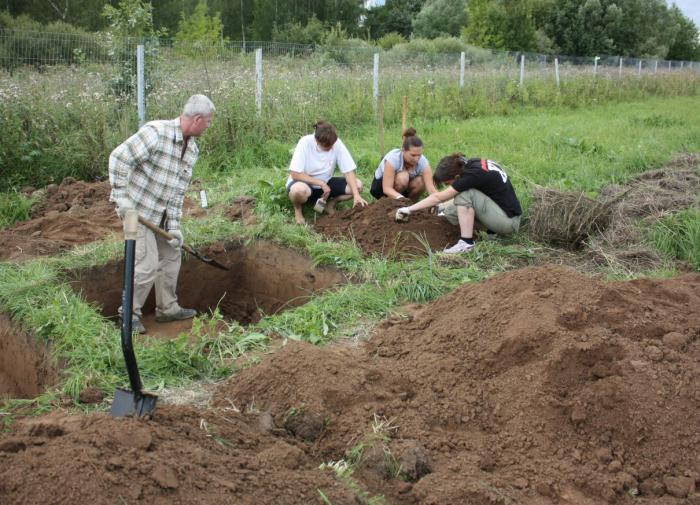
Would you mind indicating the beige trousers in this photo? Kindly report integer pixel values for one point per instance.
(157, 262)
(486, 211)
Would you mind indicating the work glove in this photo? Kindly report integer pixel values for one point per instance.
(400, 197)
(124, 204)
(177, 240)
(402, 214)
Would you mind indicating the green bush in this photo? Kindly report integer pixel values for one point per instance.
(14, 207)
(390, 39)
(28, 42)
(678, 236)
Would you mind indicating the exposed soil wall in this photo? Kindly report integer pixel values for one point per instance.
(25, 369)
(263, 279)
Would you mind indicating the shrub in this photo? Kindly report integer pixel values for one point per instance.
(390, 40)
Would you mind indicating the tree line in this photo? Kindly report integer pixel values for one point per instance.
(639, 28)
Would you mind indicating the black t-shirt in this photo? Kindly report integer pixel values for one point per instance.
(488, 177)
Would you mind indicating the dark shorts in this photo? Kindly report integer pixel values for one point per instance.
(377, 191)
(337, 185)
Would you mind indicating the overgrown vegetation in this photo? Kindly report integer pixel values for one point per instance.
(581, 150)
(14, 207)
(678, 236)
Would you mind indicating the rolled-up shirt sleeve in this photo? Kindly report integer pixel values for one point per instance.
(343, 157)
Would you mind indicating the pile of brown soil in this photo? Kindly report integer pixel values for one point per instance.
(537, 386)
(69, 214)
(183, 456)
(375, 230)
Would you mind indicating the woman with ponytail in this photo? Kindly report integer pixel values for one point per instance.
(481, 191)
(404, 172)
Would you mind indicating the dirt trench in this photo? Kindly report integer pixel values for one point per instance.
(263, 279)
(25, 368)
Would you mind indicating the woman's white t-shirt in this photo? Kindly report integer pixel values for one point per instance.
(395, 157)
(310, 159)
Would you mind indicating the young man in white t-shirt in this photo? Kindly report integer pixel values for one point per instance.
(311, 172)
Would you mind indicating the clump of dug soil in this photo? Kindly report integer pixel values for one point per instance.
(374, 229)
(536, 386)
(66, 215)
(183, 456)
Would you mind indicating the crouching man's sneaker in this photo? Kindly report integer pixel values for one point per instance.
(460, 247)
(180, 315)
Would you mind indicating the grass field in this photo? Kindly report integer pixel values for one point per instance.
(572, 149)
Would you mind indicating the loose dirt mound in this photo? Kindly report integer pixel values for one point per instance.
(537, 386)
(375, 230)
(67, 215)
(181, 457)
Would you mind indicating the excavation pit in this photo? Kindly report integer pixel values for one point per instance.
(263, 279)
(25, 369)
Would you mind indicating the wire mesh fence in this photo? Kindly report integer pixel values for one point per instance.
(60, 87)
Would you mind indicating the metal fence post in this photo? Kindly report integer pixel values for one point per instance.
(639, 69)
(620, 71)
(522, 70)
(258, 80)
(140, 84)
(376, 78)
(595, 65)
(682, 65)
(656, 65)
(556, 70)
(461, 69)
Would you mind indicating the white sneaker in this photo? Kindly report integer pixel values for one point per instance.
(460, 247)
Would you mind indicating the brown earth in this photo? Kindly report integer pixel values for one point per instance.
(537, 386)
(25, 367)
(183, 456)
(67, 215)
(375, 230)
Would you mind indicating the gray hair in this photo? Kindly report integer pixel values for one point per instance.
(198, 105)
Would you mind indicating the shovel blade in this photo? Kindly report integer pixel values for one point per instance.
(127, 403)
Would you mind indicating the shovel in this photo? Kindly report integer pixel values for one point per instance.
(190, 250)
(134, 402)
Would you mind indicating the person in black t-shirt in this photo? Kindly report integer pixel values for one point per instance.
(481, 191)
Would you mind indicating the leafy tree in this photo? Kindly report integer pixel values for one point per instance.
(131, 18)
(394, 16)
(200, 26)
(686, 44)
(83, 13)
(312, 33)
(440, 17)
(501, 24)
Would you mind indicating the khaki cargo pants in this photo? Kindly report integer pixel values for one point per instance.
(487, 212)
(157, 262)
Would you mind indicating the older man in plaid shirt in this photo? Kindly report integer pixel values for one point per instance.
(150, 172)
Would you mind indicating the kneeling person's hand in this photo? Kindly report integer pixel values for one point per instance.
(177, 239)
(402, 214)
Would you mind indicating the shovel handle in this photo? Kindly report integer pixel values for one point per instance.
(160, 231)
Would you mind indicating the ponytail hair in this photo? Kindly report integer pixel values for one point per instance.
(450, 167)
(410, 139)
(324, 133)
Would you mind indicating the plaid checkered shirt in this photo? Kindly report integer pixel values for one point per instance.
(151, 171)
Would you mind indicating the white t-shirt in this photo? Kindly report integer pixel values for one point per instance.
(395, 157)
(310, 159)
